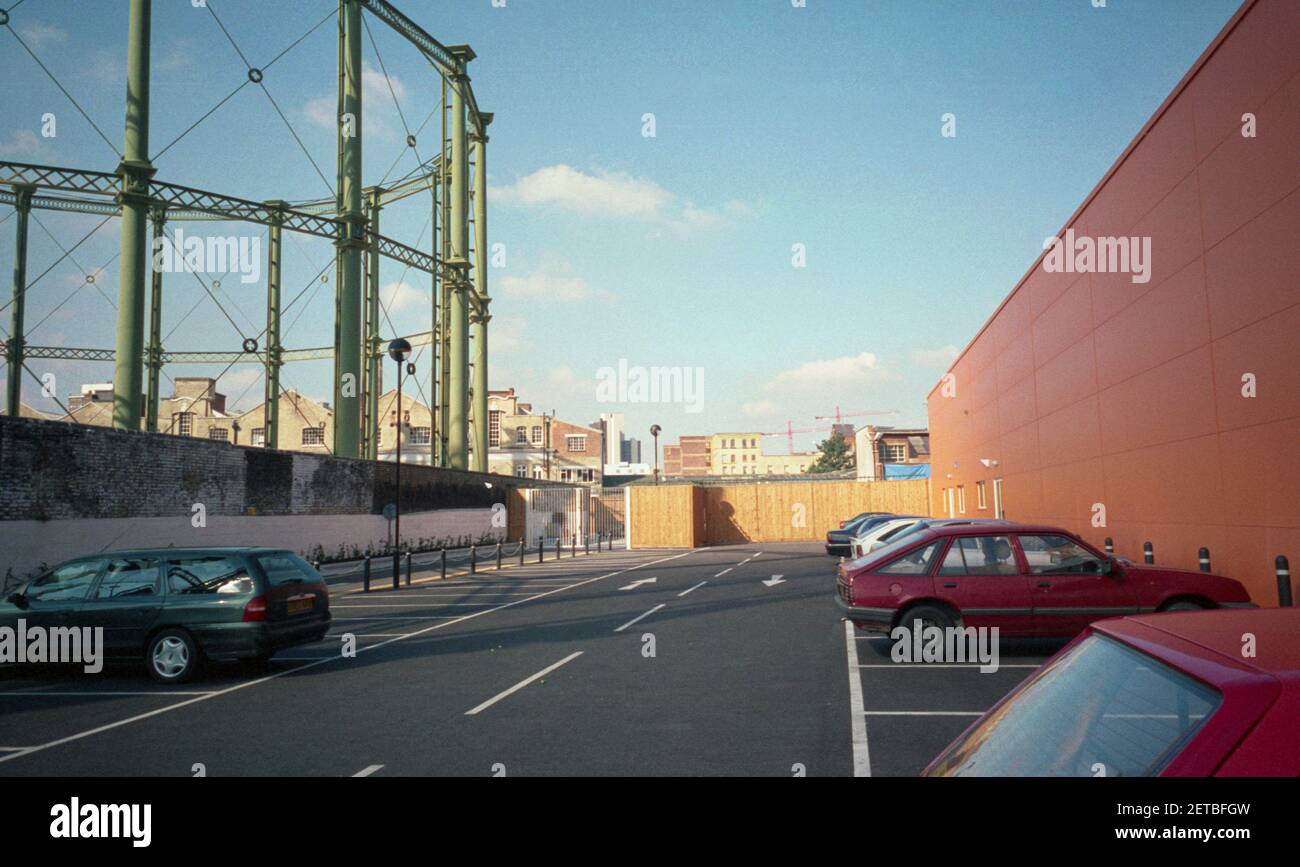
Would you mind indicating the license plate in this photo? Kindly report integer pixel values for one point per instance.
(300, 606)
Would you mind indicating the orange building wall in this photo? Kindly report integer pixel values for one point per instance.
(1089, 388)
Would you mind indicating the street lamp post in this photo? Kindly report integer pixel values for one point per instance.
(399, 350)
(654, 432)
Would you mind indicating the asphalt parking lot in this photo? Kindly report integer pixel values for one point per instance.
(730, 660)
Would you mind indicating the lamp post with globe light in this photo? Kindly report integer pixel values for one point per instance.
(399, 350)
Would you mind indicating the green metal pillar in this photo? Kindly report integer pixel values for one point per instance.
(435, 342)
(347, 346)
(479, 332)
(271, 404)
(458, 262)
(14, 385)
(136, 172)
(153, 358)
(371, 352)
(444, 287)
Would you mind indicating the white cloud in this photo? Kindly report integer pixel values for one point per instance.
(378, 116)
(545, 286)
(399, 296)
(234, 382)
(939, 359)
(848, 370)
(613, 194)
(759, 408)
(39, 35)
(24, 143)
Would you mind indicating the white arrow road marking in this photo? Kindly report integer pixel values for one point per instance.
(636, 584)
(365, 772)
(775, 580)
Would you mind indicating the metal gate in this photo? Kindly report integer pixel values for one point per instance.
(609, 512)
(555, 513)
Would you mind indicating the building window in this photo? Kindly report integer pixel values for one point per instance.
(537, 434)
(566, 475)
(259, 436)
(537, 472)
(220, 434)
(185, 424)
(961, 499)
(521, 470)
(893, 453)
(313, 436)
(576, 443)
(980, 495)
(494, 428)
(420, 436)
(521, 436)
(586, 475)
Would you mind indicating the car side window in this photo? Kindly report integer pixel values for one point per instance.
(68, 583)
(912, 563)
(1047, 554)
(128, 578)
(203, 576)
(980, 555)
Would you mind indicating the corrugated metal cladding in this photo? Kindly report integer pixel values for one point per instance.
(1169, 406)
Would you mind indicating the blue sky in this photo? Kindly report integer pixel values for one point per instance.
(774, 126)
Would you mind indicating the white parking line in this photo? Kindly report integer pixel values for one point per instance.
(446, 622)
(33, 693)
(724, 572)
(857, 719)
(696, 587)
(639, 618)
(923, 713)
(365, 772)
(521, 684)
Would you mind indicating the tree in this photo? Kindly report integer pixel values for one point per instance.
(834, 455)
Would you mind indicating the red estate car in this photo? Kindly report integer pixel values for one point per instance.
(1025, 579)
(1170, 695)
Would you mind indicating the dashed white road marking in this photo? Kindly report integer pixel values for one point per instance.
(857, 718)
(696, 587)
(724, 572)
(367, 771)
(245, 685)
(639, 618)
(521, 684)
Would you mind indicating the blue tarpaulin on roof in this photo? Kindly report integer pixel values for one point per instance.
(907, 471)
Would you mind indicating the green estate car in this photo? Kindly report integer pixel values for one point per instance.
(178, 607)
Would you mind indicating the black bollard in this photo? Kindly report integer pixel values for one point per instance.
(444, 562)
(1204, 556)
(1110, 545)
(408, 568)
(522, 546)
(473, 559)
(541, 547)
(366, 575)
(397, 569)
(1148, 553)
(498, 556)
(573, 546)
(1283, 567)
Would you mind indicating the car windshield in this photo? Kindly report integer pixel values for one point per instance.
(1102, 709)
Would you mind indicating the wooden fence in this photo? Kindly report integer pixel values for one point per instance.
(685, 516)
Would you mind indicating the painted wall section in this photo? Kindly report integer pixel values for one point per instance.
(1174, 404)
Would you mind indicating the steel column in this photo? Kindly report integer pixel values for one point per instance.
(371, 359)
(17, 340)
(136, 172)
(479, 332)
(444, 285)
(435, 422)
(458, 263)
(351, 243)
(153, 359)
(271, 406)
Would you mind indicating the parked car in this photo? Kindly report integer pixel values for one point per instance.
(837, 541)
(857, 517)
(179, 607)
(875, 537)
(1168, 695)
(1026, 579)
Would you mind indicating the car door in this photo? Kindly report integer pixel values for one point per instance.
(981, 577)
(52, 599)
(124, 603)
(1069, 585)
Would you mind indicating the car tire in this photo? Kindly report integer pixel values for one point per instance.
(929, 615)
(172, 657)
(1183, 605)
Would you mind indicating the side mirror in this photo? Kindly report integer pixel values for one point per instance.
(19, 598)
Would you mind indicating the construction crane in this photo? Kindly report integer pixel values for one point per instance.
(839, 415)
(791, 430)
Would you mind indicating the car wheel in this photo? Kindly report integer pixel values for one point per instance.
(1184, 605)
(929, 615)
(172, 656)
